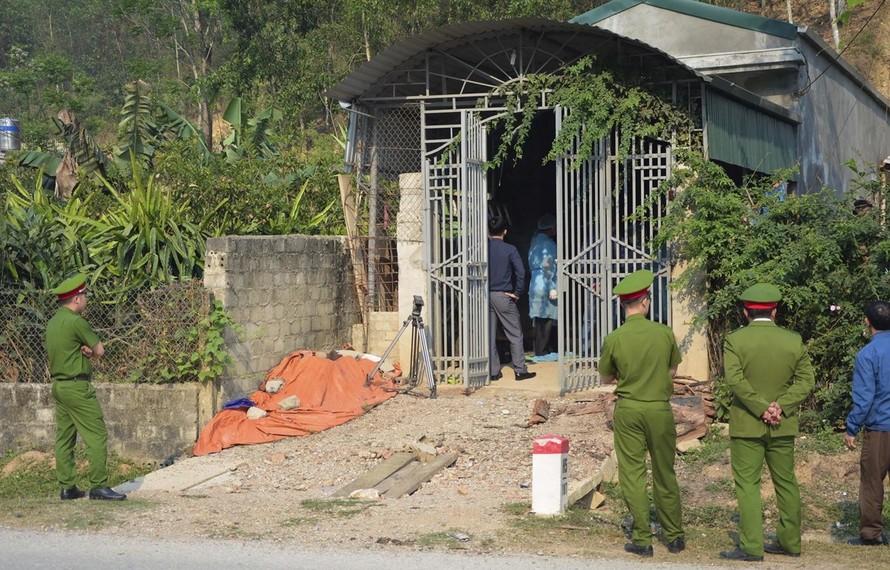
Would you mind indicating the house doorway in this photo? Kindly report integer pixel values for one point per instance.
(599, 241)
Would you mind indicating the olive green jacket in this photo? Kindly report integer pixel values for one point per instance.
(765, 363)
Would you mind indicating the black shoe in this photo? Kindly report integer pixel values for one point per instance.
(526, 375)
(497, 376)
(739, 554)
(72, 493)
(677, 545)
(774, 548)
(880, 541)
(638, 550)
(106, 494)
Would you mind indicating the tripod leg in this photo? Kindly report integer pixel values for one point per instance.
(386, 353)
(427, 360)
(415, 365)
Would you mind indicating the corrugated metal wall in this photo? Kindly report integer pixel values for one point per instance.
(746, 137)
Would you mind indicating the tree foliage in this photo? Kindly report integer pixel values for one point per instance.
(827, 260)
(601, 99)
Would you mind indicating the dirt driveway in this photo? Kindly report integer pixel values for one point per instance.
(279, 492)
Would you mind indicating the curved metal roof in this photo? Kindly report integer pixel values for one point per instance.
(479, 53)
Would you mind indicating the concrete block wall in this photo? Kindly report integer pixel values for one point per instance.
(287, 293)
(383, 326)
(146, 423)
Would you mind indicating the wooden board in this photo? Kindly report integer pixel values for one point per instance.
(583, 488)
(377, 474)
(407, 471)
(421, 475)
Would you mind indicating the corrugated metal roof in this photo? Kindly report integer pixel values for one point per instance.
(698, 9)
(452, 37)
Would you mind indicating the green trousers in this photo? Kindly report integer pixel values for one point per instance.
(748, 455)
(78, 412)
(641, 426)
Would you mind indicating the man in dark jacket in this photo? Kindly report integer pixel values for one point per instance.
(506, 282)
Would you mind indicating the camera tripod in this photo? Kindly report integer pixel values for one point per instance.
(418, 341)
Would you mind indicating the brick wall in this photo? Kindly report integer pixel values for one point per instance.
(146, 422)
(287, 293)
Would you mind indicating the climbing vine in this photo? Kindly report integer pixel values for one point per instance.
(599, 100)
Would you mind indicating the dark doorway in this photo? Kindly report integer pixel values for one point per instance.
(523, 189)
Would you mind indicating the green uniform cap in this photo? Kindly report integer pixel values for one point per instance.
(71, 287)
(761, 296)
(634, 285)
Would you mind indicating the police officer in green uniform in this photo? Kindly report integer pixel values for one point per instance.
(769, 373)
(70, 344)
(642, 356)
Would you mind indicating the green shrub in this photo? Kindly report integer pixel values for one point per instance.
(827, 261)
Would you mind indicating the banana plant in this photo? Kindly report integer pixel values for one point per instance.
(81, 154)
(137, 130)
(249, 133)
(178, 127)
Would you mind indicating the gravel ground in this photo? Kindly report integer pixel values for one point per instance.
(265, 496)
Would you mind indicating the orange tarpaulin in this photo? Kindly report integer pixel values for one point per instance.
(331, 392)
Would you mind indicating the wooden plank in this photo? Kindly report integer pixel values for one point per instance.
(423, 474)
(580, 490)
(407, 471)
(377, 474)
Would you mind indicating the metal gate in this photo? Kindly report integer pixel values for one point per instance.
(600, 242)
(457, 245)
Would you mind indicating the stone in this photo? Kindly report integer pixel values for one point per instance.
(276, 458)
(596, 500)
(289, 403)
(424, 450)
(25, 461)
(540, 412)
(254, 413)
(365, 494)
(688, 445)
(273, 385)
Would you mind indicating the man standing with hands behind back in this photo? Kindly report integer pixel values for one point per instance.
(70, 344)
(871, 416)
(642, 356)
(769, 373)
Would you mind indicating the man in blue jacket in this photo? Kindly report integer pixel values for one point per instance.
(871, 415)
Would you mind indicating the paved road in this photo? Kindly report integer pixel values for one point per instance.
(27, 550)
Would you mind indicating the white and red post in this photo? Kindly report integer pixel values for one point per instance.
(550, 475)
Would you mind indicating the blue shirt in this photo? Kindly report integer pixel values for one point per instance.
(871, 386)
(505, 269)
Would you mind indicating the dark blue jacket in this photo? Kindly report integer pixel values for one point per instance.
(871, 386)
(505, 269)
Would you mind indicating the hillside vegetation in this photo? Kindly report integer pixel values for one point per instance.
(79, 54)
